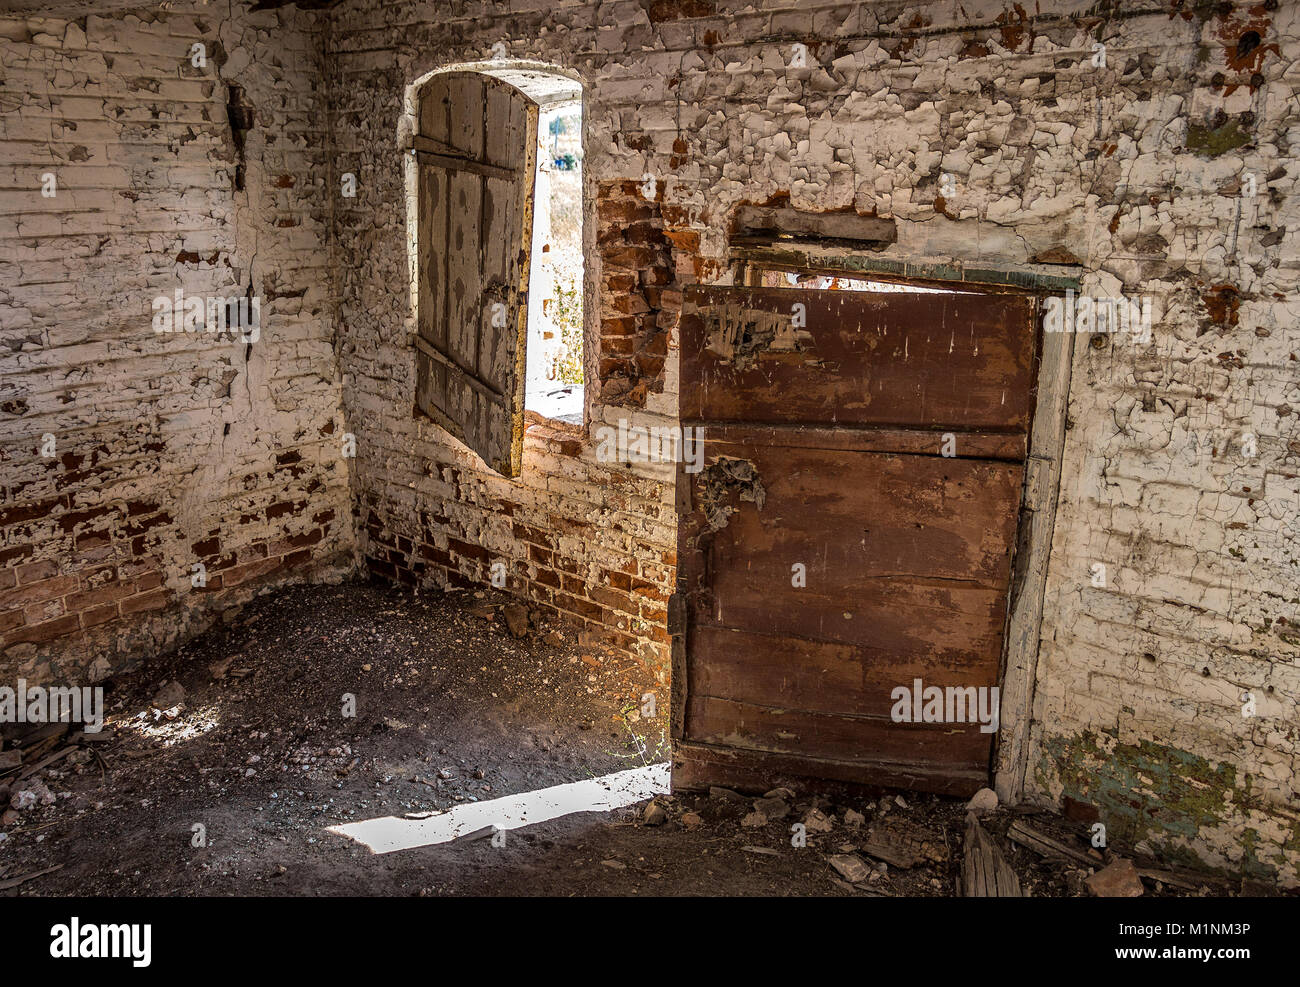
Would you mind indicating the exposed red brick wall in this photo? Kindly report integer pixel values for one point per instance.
(613, 588)
(640, 299)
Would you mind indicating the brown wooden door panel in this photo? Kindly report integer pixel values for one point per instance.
(867, 515)
(862, 358)
(771, 669)
(823, 447)
(701, 765)
(727, 723)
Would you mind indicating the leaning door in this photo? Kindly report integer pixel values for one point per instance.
(476, 153)
(850, 533)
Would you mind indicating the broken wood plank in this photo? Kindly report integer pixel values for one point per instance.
(1024, 625)
(481, 833)
(1045, 846)
(766, 224)
(1170, 878)
(882, 847)
(1188, 880)
(13, 882)
(47, 733)
(45, 762)
(984, 870)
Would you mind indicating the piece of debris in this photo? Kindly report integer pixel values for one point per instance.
(45, 762)
(904, 844)
(172, 694)
(765, 851)
(1187, 880)
(345, 770)
(13, 882)
(36, 793)
(985, 872)
(479, 834)
(817, 821)
(219, 668)
(883, 848)
(983, 802)
(853, 818)
(691, 819)
(851, 867)
(725, 795)
(100, 736)
(1117, 880)
(516, 615)
(772, 808)
(754, 819)
(10, 760)
(1045, 846)
(554, 638)
(654, 814)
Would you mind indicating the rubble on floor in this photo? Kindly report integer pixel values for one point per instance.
(226, 767)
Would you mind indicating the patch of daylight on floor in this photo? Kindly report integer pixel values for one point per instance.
(604, 794)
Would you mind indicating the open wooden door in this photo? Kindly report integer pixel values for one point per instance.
(476, 154)
(829, 552)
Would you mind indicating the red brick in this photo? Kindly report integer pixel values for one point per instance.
(30, 512)
(33, 572)
(650, 590)
(295, 559)
(89, 541)
(150, 580)
(7, 555)
(39, 612)
(99, 615)
(105, 594)
(580, 606)
(145, 601)
(612, 598)
(48, 631)
(46, 589)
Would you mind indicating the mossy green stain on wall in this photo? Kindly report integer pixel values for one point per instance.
(1210, 142)
(1151, 790)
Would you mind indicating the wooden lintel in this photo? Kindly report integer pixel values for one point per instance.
(776, 223)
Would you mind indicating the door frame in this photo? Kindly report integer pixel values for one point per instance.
(1038, 502)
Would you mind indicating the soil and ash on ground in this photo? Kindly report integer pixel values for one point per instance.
(459, 697)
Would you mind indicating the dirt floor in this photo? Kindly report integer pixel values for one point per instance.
(451, 707)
